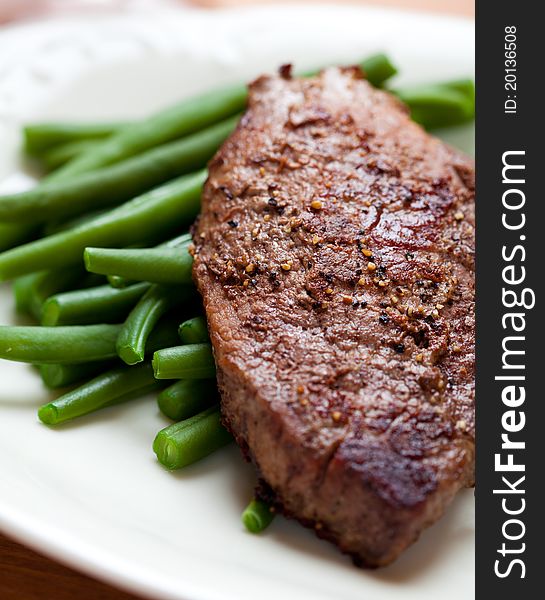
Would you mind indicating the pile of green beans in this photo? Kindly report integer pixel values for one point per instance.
(163, 209)
(115, 184)
(115, 317)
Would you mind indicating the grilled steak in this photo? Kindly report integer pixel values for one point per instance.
(334, 254)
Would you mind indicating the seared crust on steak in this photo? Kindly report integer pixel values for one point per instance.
(334, 254)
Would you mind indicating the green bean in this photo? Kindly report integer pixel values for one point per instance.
(187, 397)
(72, 367)
(465, 86)
(162, 210)
(157, 265)
(192, 361)
(40, 137)
(48, 345)
(257, 516)
(117, 385)
(378, 69)
(131, 343)
(441, 104)
(117, 281)
(186, 118)
(102, 304)
(184, 443)
(58, 225)
(194, 331)
(117, 183)
(14, 234)
(58, 376)
(180, 241)
(59, 155)
(31, 291)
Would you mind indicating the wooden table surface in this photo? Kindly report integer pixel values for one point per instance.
(26, 575)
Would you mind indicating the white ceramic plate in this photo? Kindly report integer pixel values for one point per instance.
(91, 493)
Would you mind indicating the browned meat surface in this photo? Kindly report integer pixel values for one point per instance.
(334, 254)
